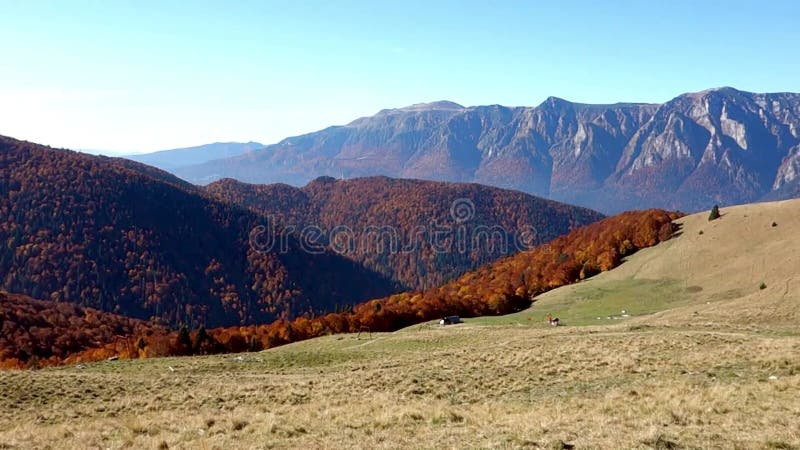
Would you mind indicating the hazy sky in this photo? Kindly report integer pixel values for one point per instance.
(140, 76)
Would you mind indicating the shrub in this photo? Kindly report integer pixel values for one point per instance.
(714, 213)
(763, 286)
(184, 340)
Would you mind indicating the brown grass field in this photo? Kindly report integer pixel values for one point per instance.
(702, 357)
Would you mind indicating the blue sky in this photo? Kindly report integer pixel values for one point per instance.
(140, 76)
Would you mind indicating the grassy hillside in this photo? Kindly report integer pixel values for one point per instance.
(706, 359)
(710, 272)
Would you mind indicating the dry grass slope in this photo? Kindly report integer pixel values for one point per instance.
(706, 359)
(711, 273)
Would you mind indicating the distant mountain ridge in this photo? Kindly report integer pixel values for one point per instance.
(187, 156)
(720, 146)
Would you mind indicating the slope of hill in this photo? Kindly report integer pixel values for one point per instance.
(417, 233)
(706, 359)
(711, 274)
(718, 146)
(127, 238)
(180, 157)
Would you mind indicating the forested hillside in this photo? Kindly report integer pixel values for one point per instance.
(133, 240)
(37, 333)
(502, 287)
(419, 234)
(505, 286)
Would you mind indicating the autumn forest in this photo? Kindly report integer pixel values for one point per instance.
(104, 257)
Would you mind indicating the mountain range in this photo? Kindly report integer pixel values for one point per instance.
(719, 146)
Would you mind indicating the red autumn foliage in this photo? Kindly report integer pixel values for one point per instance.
(41, 333)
